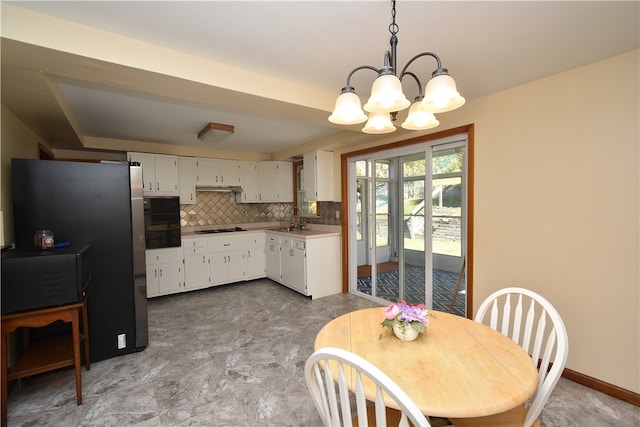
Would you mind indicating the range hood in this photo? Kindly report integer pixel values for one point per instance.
(228, 189)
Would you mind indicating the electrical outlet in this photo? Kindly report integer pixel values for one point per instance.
(122, 341)
(337, 214)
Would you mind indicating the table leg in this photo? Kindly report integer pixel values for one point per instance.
(75, 326)
(85, 331)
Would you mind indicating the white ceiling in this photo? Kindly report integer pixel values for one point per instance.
(487, 47)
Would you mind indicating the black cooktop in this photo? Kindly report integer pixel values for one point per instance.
(220, 230)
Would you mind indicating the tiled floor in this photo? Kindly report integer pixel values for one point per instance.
(234, 356)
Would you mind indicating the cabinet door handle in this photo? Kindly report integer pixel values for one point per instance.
(203, 261)
(227, 244)
(160, 272)
(158, 186)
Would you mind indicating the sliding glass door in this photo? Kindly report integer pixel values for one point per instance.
(408, 234)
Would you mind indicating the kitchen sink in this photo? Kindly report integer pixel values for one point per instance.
(290, 229)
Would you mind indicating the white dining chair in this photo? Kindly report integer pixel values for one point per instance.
(531, 321)
(328, 372)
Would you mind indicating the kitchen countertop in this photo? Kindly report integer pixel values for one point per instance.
(313, 230)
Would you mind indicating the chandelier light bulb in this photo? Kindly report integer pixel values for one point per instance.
(441, 95)
(379, 123)
(348, 110)
(386, 95)
(418, 119)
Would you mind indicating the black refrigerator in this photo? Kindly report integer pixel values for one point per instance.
(100, 204)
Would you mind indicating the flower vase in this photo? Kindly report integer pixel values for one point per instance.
(405, 332)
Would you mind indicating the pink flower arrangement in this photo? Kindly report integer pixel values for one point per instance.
(407, 315)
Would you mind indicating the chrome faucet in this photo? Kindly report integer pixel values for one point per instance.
(301, 224)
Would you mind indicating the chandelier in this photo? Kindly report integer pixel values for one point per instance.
(440, 94)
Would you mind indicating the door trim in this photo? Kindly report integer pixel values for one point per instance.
(344, 194)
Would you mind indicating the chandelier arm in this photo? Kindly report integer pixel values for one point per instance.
(348, 86)
(409, 73)
(438, 70)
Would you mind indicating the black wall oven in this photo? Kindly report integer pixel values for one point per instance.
(162, 222)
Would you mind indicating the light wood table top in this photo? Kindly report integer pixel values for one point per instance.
(459, 369)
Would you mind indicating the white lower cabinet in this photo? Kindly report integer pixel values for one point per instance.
(227, 268)
(309, 265)
(272, 254)
(165, 273)
(256, 259)
(227, 262)
(293, 265)
(196, 263)
(223, 258)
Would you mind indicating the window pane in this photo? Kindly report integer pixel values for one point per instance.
(448, 161)
(447, 216)
(382, 170)
(382, 213)
(414, 168)
(361, 168)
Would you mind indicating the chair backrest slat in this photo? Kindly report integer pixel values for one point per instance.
(506, 316)
(517, 316)
(540, 334)
(528, 329)
(345, 405)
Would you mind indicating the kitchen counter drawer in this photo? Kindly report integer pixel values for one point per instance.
(161, 256)
(272, 238)
(195, 250)
(255, 240)
(228, 243)
(196, 242)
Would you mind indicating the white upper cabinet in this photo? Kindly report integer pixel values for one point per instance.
(208, 171)
(248, 181)
(318, 176)
(159, 173)
(187, 174)
(275, 181)
(218, 173)
(229, 173)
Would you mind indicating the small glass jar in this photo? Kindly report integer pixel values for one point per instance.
(43, 240)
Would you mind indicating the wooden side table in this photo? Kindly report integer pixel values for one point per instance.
(46, 355)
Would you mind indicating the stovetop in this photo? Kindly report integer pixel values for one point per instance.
(220, 230)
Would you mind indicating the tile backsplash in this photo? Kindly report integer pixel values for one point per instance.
(216, 208)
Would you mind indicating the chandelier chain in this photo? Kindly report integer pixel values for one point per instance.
(393, 27)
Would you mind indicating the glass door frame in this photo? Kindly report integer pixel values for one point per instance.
(395, 150)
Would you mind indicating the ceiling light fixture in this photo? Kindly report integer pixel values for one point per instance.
(214, 132)
(387, 98)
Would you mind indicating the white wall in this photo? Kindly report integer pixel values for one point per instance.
(556, 205)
